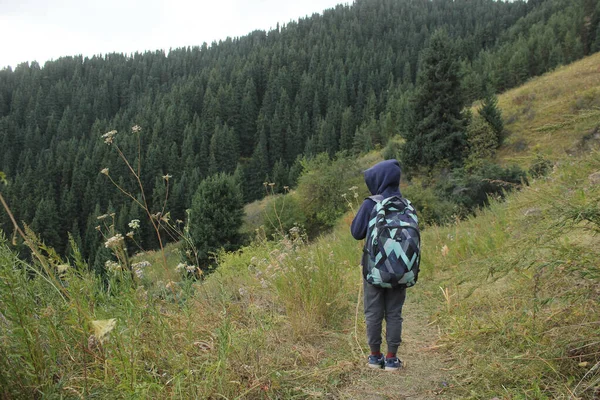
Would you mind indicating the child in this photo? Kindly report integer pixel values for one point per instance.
(382, 179)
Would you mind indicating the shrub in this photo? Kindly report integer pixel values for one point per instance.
(540, 167)
(283, 213)
(471, 190)
(431, 208)
(321, 186)
(392, 150)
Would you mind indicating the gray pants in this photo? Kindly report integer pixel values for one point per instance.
(383, 303)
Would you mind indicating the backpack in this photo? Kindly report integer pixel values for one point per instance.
(392, 251)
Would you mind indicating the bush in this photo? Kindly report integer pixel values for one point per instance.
(321, 186)
(283, 213)
(431, 208)
(392, 150)
(471, 190)
(540, 167)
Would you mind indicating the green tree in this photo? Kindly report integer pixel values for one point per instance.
(438, 131)
(216, 216)
(492, 114)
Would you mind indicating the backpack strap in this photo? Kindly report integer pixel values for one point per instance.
(379, 198)
(376, 198)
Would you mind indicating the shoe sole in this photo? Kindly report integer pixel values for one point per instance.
(375, 366)
(391, 369)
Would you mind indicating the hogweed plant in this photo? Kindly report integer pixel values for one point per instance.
(159, 219)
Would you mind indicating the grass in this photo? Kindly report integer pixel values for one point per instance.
(556, 114)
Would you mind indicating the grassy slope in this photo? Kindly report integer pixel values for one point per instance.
(510, 310)
(552, 113)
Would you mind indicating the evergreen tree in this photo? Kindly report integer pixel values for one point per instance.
(438, 131)
(216, 216)
(493, 115)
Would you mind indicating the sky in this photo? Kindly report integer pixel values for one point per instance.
(42, 30)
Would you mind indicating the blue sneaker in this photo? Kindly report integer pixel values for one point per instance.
(393, 364)
(376, 361)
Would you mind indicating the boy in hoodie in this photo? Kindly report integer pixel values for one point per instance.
(381, 179)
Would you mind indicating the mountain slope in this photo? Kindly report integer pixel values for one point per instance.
(555, 114)
(507, 306)
(249, 105)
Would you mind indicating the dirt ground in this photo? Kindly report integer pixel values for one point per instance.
(426, 373)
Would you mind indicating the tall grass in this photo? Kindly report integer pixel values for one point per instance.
(519, 305)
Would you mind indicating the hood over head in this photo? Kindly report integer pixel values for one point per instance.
(383, 177)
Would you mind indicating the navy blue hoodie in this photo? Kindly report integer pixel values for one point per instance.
(384, 179)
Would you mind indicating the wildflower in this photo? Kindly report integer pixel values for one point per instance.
(108, 137)
(114, 241)
(167, 177)
(130, 234)
(171, 285)
(180, 267)
(98, 228)
(272, 184)
(62, 268)
(103, 216)
(286, 188)
(178, 222)
(112, 266)
(353, 188)
(136, 129)
(103, 327)
(134, 224)
(265, 184)
(139, 272)
(190, 268)
(445, 251)
(104, 171)
(141, 264)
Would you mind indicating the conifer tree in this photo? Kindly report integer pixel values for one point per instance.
(216, 216)
(493, 115)
(437, 131)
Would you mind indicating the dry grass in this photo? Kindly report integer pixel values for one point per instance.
(553, 113)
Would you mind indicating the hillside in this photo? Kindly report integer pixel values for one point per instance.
(555, 114)
(250, 106)
(507, 305)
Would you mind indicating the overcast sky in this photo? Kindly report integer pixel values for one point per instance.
(47, 29)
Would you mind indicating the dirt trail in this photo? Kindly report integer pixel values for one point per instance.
(427, 371)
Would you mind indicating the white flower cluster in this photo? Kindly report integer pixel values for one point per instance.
(112, 266)
(109, 137)
(141, 264)
(114, 241)
(134, 224)
(138, 268)
(188, 267)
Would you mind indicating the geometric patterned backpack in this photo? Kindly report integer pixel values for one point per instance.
(392, 251)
